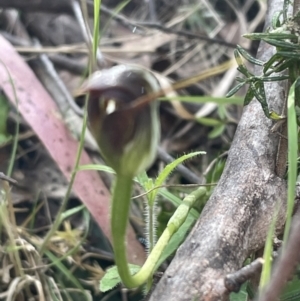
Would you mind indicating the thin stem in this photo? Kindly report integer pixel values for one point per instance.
(16, 137)
(151, 227)
(150, 234)
(119, 217)
(292, 158)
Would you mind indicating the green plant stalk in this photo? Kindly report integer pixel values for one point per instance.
(119, 216)
(267, 267)
(151, 226)
(10, 230)
(151, 230)
(16, 138)
(96, 38)
(292, 159)
(116, 11)
(66, 272)
(292, 149)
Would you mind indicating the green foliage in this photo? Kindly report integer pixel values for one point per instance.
(292, 156)
(282, 35)
(176, 201)
(112, 278)
(291, 291)
(215, 173)
(99, 167)
(284, 64)
(16, 138)
(65, 271)
(115, 12)
(242, 295)
(177, 226)
(182, 219)
(164, 174)
(205, 99)
(4, 110)
(176, 240)
(96, 34)
(266, 271)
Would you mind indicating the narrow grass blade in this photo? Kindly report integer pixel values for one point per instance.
(292, 157)
(266, 271)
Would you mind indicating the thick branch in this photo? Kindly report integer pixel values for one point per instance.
(235, 220)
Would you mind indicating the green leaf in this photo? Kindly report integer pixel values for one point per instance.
(181, 221)
(269, 64)
(215, 173)
(96, 37)
(266, 271)
(98, 167)
(217, 131)
(240, 79)
(235, 89)
(115, 12)
(4, 110)
(281, 44)
(292, 157)
(5, 138)
(274, 78)
(112, 278)
(249, 96)
(241, 66)
(289, 54)
(259, 92)
(291, 291)
(166, 172)
(177, 239)
(249, 57)
(209, 121)
(65, 271)
(276, 19)
(176, 201)
(281, 67)
(222, 113)
(72, 211)
(17, 130)
(143, 178)
(206, 99)
(273, 36)
(242, 295)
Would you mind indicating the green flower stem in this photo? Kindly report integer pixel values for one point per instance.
(151, 227)
(119, 217)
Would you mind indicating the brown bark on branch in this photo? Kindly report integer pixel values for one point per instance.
(235, 221)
